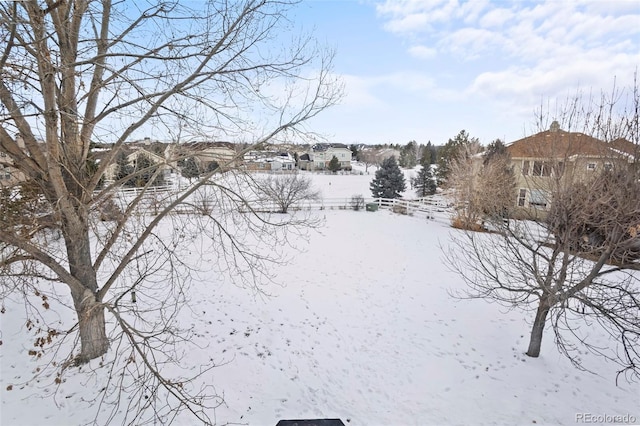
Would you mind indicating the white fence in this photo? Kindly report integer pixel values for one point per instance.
(424, 208)
(160, 196)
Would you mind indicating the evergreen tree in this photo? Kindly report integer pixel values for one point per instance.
(189, 168)
(450, 151)
(213, 166)
(354, 151)
(389, 180)
(334, 164)
(427, 156)
(408, 155)
(495, 149)
(425, 183)
(144, 170)
(124, 171)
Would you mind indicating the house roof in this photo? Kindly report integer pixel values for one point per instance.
(625, 147)
(198, 146)
(319, 147)
(557, 143)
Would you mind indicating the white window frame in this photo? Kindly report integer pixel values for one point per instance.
(538, 198)
(544, 166)
(522, 197)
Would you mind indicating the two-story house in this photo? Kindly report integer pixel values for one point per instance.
(547, 161)
(320, 155)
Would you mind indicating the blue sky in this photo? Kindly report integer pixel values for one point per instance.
(425, 69)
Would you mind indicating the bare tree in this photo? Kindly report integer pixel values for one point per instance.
(77, 72)
(369, 157)
(284, 191)
(452, 151)
(463, 187)
(496, 183)
(481, 185)
(574, 264)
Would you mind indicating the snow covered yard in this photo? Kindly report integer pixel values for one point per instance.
(362, 327)
(366, 330)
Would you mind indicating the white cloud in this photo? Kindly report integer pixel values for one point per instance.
(496, 62)
(470, 43)
(409, 16)
(522, 88)
(523, 48)
(422, 52)
(408, 23)
(510, 57)
(496, 18)
(545, 24)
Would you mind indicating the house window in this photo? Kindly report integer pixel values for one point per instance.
(538, 198)
(525, 167)
(608, 166)
(541, 168)
(522, 195)
(591, 166)
(537, 168)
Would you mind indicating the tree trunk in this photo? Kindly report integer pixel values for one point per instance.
(538, 327)
(91, 318)
(91, 322)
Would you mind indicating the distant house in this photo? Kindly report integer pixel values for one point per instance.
(370, 155)
(320, 155)
(268, 161)
(205, 153)
(384, 153)
(548, 160)
(132, 154)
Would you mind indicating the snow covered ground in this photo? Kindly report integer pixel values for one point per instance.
(362, 327)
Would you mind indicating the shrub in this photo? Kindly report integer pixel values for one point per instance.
(357, 202)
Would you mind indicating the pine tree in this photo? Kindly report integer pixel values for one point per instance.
(425, 183)
(450, 151)
(334, 164)
(428, 155)
(213, 165)
(389, 180)
(145, 170)
(189, 168)
(354, 151)
(408, 155)
(495, 149)
(124, 171)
